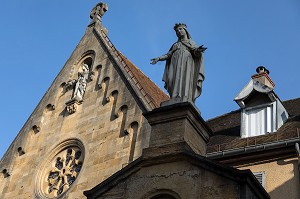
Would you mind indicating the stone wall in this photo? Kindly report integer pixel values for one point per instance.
(105, 133)
(176, 180)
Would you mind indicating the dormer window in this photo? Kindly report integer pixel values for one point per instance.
(262, 111)
(258, 120)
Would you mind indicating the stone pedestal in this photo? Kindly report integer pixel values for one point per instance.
(72, 105)
(178, 123)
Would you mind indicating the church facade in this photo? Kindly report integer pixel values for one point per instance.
(100, 132)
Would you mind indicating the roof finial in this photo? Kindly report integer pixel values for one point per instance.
(98, 11)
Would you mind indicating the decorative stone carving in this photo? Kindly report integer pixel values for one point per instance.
(60, 170)
(63, 172)
(21, 151)
(98, 11)
(5, 173)
(50, 107)
(36, 129)
(72, 106)
(79, 86)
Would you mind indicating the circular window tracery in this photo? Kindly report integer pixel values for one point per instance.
(60, 170)
(64, 171)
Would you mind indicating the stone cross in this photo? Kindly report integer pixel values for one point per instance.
(98, 11)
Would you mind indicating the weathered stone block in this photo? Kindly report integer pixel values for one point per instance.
(178, 123)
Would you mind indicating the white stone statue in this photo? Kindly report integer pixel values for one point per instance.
(80, 84)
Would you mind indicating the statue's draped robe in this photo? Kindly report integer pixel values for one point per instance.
(80, 86)
(184, 71)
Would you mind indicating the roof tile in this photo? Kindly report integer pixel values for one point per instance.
(148, 87)
(226, 130)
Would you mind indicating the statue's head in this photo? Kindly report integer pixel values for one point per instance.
(85, 67)
(179, 27)
(182, 25)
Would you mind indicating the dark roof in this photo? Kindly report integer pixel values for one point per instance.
(143, 82)
(151, 93)
(292, 106)
(226, 130)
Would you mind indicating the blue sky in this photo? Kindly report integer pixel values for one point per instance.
(37, 38)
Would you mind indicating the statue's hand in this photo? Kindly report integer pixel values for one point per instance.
(199, 51)
(70, 83)
(202, 48)
(154, 61)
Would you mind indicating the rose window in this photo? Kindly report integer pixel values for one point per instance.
(64, 170)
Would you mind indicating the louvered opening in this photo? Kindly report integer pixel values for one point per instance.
(261, 177)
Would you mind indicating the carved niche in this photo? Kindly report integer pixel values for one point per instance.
(78, 86)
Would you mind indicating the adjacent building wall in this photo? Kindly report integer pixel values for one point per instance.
(282, 177)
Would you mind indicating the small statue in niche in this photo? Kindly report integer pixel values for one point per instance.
(184, 70)
(79, 84)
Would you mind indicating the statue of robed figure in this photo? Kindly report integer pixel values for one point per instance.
(79, 84)
(184, 70)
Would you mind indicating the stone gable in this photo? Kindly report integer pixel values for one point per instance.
(68, 144)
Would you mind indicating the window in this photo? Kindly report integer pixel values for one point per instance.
(258, 120)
